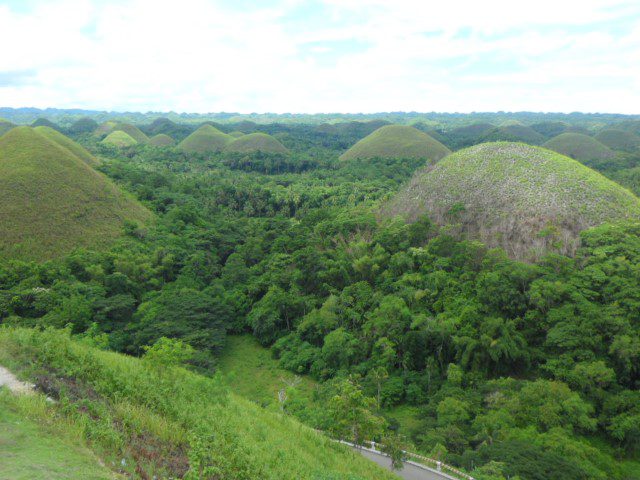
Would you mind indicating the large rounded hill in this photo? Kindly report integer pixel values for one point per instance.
(397, 141)
(579, 146)
(53, 201)
(256, 142)
(205, 139)
(525, 199)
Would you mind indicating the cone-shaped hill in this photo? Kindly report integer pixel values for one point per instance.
(45, 122)
(131, 130)
(119, 139)
(236, 134)
(397, 141)
(161, 140)
(256, 142)
(580, 147)
(53, 201)
(205, 139)
(619, 140)
(524, 199)
(78, 150)
(109, 127)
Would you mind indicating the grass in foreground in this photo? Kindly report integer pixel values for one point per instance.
(172, 422)
(32, 450)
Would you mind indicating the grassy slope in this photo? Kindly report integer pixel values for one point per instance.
(205, 139)
(127, 406)
(53, 201)
(33, 450)
(78, 150)
(256, 142)
(161, 140)
(397, 141)
(619, 140)
(579, 146)
(119, 138)
(511, 193)
(253, 373)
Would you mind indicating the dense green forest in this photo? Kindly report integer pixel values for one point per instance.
(517, 370)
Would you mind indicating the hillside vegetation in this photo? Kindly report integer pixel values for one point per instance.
(619, 140)
(579, 147)
(397, 141)
(256, 142)
(205, 139)
(53, 201)
(524, 199)
(36, 447)
(151, 419)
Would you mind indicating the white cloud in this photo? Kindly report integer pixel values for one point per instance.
(199, 55)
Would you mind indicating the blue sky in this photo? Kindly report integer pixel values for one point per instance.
(322, 55)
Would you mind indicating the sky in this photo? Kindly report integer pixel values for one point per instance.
(321, 56)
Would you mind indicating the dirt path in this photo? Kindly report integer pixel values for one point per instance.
(9, 380)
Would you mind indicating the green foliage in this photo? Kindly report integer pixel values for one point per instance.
(126, 409)
(168, 352)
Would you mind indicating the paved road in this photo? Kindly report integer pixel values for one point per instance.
(408, 472)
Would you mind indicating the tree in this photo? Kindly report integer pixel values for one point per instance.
(394, 446)
(351, 414)
(378, 375)
(168, 352)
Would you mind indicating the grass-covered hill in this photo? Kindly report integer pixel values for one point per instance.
(579, 146)
(105, 128)
(75, 148)
(5, 126)
(119, 139)
(525, 199)
(131, 130)
(83, 125)
(205, 139)
(619, 139)
(397, 141)
(52, 201)
(147, 420)
(256, 142)
(161, 140)
(514, 132)
(235, 134)
(44, 122)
